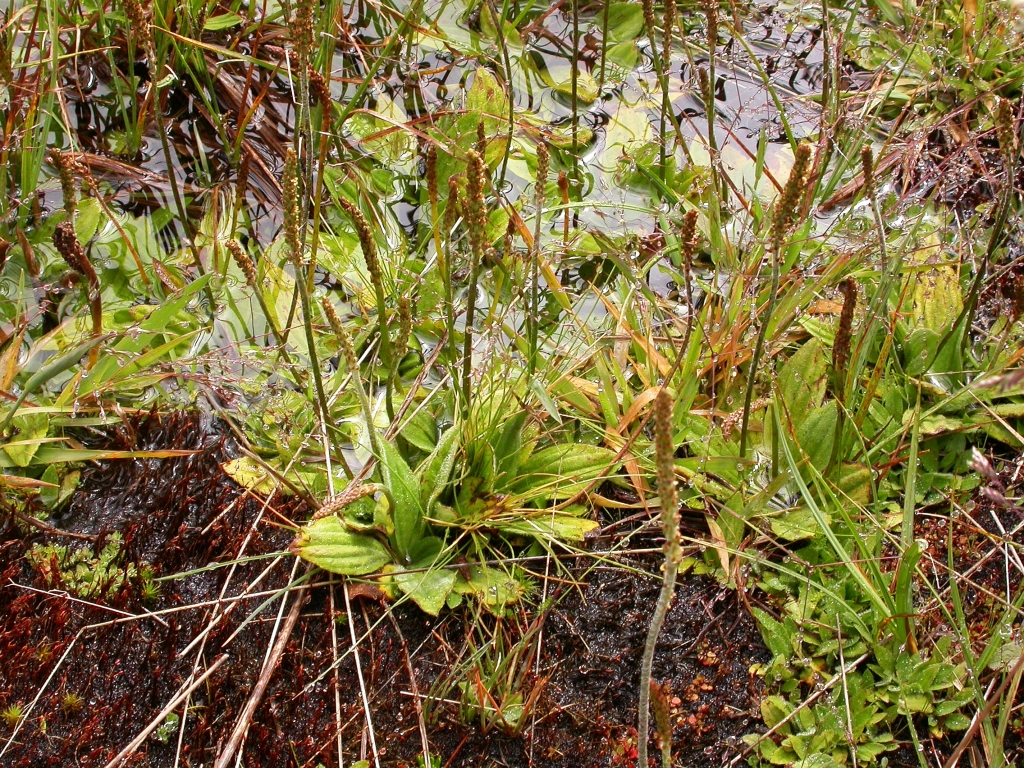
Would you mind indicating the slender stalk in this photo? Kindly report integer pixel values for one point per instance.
(369, 247)
(291, 199)
(785, 214)
(533, 318)
(66, 242)
(664, 453)
(252, 279)
(352, 362)
(476, 219)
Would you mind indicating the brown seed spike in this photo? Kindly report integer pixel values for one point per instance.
(476, 212)
(290, 200)
(243, 261)
(1006, 131)
(792, 195)
(661, 703)
(867, 165)
(66, 242)
(366, 241)
(543, 164)
(481, 141)
(842, 343)
(430, 172)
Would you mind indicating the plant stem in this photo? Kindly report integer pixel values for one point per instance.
(669, 500)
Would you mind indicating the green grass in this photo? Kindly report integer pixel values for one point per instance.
(500, 350)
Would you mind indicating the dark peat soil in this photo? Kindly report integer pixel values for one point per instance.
(92, 674)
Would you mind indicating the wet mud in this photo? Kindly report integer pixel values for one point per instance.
(91, 674)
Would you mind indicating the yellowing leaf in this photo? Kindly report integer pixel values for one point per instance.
(250, 475)
(938, 300)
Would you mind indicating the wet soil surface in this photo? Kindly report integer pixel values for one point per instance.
(89, 675)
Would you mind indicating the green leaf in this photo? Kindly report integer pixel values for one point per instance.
(802, 381)
(957, 722)
(494, 588)
(507, 449)
(408, 512)
(429, 588)
(774, 709)
(625, 22)
(796, 524)
(421, 431)
(817, 434)
(550, 525)
(587, 87)
(166, 312)
(817, 760)
(919, 352)
(435, 471)
(487, 97)
(938, 300)
(56, 366)
(778, 639)
(855, 482)
(88, 216)
(561, 471)
(222, 21)
(329, 544)
(31, 431)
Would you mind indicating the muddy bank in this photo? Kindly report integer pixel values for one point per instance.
(97, 670)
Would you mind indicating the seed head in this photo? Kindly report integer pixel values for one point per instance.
(705, 85)
(66, 165)
(302, 31)
(430, 171)
(140, 28)
(319, 90)
(290, 200)
(366, 241)
(481, 141)
(543, 165)
(404, 327)
(348, 351)
(661, 703)
(650, 22)
(476, 209)
(669, 30)
(791, 197)
(688, 238)
(842, 343)
(243, 261)
(242, 181)
(867, 166)
(349, 496)
(66, 242)
(711, 14)
(1005, 131)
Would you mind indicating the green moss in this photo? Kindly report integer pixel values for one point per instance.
(80, 572)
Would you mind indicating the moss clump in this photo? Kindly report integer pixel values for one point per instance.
(80, 572)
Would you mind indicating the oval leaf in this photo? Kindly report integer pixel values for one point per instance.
(561, 471)
(329, 544)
